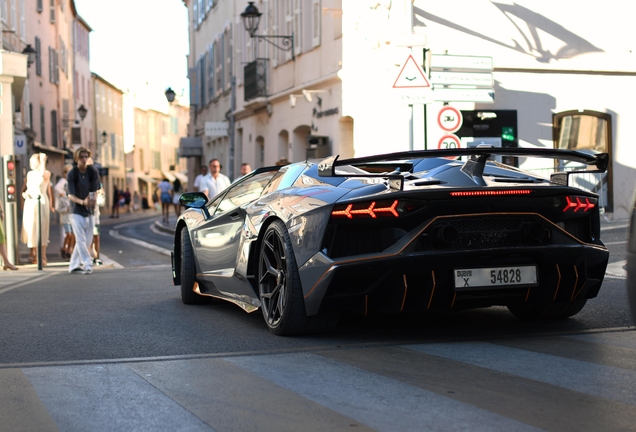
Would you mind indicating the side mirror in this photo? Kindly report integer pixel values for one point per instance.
(195, 200)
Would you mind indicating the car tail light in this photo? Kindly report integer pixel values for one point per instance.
(491, 192)
(579, 204)
(374, 209)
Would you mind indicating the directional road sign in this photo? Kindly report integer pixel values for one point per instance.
(472, 79)
(443, 61)
(463, 95)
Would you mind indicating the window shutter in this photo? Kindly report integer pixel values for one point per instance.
(38, 57)
(54, 128)
(203, 75)
(42, 125)
(228, 57)
(39, 6)
(52, 11)
(316, 22)
(211, 72)
(3, 10)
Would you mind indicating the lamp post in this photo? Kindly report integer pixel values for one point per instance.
(170, 94)
(30, 53)
(251, 18)
(104, 138)
(82, 111)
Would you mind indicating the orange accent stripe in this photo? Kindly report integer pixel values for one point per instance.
(432, 290)
(576, 272)
(579, 292)
(406, 287)
(527, 295)
(366, 305)
(454, 297)
(558, 283)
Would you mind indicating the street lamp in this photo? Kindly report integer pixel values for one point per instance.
(251, 18)
(30, 53)
(170, 94)
(82, 111)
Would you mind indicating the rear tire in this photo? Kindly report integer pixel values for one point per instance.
(280, 289)
(188, 271)
(559, 310)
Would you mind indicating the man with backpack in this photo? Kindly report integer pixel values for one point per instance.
(83, 182)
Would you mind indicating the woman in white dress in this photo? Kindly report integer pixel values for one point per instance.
(38, 184)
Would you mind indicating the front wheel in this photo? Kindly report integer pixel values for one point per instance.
(188, 271)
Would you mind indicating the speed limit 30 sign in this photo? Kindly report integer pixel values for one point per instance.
(449, 119)
(449, 141)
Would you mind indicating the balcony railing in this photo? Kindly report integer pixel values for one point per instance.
(255, 78)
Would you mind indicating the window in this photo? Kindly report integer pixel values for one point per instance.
(588, 132)
(244, 192)
(42, 125)
(52, 9)
(54, 128)
(39, 6)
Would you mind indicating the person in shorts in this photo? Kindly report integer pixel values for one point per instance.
(165, 195)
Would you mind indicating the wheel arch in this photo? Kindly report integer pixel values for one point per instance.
(178, 253)
(252, 264)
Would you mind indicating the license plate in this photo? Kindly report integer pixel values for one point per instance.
(495, 276)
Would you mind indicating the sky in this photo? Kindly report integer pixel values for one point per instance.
(139, 45)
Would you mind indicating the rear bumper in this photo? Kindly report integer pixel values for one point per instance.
(425, 280)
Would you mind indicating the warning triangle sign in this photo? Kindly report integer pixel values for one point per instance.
(411, 75)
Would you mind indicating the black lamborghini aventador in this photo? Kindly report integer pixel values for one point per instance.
(403, 232)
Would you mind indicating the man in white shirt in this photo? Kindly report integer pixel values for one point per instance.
(199, 178)
(214, 182)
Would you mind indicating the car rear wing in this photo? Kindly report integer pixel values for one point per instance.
(474, 166)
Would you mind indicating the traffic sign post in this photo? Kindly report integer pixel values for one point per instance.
(411, 85)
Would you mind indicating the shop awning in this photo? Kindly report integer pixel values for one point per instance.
(50, 148)
(171, 175)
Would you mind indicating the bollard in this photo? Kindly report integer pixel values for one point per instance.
(39, 233)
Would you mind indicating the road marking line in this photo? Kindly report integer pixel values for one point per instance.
(141, 243)
(26, 282)
(613, 227)
(615, 243)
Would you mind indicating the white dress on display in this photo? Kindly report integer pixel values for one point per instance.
(37, 184)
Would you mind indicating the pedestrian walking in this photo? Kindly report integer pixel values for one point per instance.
(165, 190)
(199, 178)
(6, 264)
(83, 182)
(63, 209)
(114, 212)
(214, 182)
(177, 190)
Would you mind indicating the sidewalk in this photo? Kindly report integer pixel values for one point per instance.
(56, 263)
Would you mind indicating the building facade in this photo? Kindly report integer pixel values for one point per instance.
(109, 134)
(554, 80)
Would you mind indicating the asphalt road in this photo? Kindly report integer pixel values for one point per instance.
(120, 345)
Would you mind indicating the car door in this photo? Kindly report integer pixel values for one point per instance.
(219, 239)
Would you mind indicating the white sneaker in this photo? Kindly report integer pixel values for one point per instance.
(88, 271)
